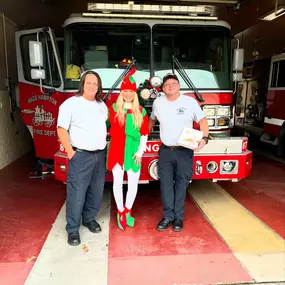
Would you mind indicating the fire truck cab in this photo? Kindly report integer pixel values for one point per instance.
(158, 39)
(274, 121)
(262, 113)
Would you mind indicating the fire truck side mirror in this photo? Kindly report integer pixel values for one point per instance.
(36, 60)
(38, 74)
(238, 61)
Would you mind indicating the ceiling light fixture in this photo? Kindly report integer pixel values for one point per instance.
(273, 14)
(233, 2)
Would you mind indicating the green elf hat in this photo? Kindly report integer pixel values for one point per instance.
(129, 82)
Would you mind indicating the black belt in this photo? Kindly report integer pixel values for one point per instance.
(84, 150)
(173, 147)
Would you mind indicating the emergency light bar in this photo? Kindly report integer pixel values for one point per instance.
(145, 16)
(111, 7)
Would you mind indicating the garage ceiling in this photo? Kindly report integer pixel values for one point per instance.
(242, 15)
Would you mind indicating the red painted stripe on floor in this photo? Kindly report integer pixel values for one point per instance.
(263, 193)
(176, 269)
(140, 253)
(14, 273)
(28, 210)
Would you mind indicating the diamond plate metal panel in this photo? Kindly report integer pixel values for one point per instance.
(229, 145)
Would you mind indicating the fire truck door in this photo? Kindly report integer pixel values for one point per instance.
(40, 87)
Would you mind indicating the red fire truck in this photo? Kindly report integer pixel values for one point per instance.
(111, 38)
(262, 113)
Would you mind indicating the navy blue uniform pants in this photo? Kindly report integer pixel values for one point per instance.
(85, 186)
(175, 168)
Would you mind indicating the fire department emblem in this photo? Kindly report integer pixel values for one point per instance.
(180, 111)
(42, 117)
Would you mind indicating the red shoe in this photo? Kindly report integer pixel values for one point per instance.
(121, 220)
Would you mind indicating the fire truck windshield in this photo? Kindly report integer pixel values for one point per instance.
(203, 51)
(106, 48)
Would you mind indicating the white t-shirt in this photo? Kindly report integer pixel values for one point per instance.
(173, 116)
(85, 121)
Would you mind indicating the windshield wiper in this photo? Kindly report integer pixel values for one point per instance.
(120, 78)
(186, 78)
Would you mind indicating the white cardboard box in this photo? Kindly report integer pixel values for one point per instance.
(222, 145)
(189, 138)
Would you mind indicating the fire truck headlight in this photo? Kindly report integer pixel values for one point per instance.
(153, 169)
(229, 167)
(155, 81)
(212, 167)
(223, 111)
(145, 94)
(209, 111)
(211, 122)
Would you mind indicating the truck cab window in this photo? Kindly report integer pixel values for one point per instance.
(50, 66)
(202, 51)
(278, 74)
(106, 49)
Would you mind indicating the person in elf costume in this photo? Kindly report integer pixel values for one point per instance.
(129, 133)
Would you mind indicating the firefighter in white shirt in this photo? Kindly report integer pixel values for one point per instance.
(82, 130)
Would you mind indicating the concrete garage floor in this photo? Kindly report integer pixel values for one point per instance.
(233, 234)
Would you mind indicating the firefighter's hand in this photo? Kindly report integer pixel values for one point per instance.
(71, 154)
(138, 159)
(201, 144)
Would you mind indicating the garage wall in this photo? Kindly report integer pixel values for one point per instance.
(42, 13)
(15, 139)
(266, 37)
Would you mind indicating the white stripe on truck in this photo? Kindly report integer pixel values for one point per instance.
(273, 121)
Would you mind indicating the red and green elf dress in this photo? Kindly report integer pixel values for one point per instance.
(125, 139)
(124, 143)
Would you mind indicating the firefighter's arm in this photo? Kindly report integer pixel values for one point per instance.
(152, 118)
(151, 123)
(204, 127)
(63, 124)
(200, 117)
(108, 123)
(64, 139)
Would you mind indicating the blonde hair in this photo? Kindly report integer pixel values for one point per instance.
(137, 115)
